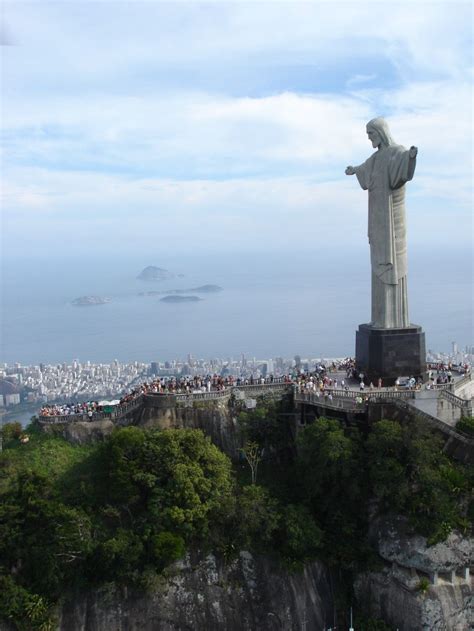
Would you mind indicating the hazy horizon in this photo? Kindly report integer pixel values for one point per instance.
(272, 305)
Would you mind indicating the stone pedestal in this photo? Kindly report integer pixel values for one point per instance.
(390, 353)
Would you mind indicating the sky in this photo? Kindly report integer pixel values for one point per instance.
(226, 127)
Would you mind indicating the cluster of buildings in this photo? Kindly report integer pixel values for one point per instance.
(67, 382)
(45, 383)
(457, 356)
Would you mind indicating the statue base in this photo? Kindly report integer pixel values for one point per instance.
(390, 353)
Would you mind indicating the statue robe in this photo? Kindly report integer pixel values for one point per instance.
(384, 175)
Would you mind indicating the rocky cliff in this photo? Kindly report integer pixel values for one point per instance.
(203, 593)
(420, 587)
(217, 419)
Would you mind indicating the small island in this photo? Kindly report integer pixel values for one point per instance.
(175, 298)
(203, 289)
(89, 301)
(154, 273)
(207, 289)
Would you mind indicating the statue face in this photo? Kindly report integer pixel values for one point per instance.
(374, 137)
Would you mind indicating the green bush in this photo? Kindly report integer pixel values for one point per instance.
(10, 432)
(466, 425)
(27, 611)
(167, 548)
(423, 585)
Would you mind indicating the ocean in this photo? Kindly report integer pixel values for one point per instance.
(278, 304)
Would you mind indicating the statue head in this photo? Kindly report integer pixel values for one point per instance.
(379, 133)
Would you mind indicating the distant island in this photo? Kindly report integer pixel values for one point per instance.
(207, 289)
(154, 273)
(180, 299)
(203, 289)
(89, 301)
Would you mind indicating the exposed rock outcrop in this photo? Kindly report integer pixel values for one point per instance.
(215, 418)
(443, 607)
(395, 542)
(205, 593)
(421, 587)
(81, 432)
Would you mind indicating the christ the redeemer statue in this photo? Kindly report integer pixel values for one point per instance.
(384, 175)
(389, 346)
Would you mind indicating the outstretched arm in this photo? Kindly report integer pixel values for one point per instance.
(402, 167)
(350, 171)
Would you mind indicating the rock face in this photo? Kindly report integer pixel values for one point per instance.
(88, 431)
(203, 593)
(215, 418)
(395, 543)
(81, 432)
(420, 587)
(385, 595)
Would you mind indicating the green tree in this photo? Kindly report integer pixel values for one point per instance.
(167, 548)
(266, 426)
(386, 460)
(332, 479)
(10, 432)
(27, 611)
(299, 538)
(43, 541)
(258, 518)
(410, 474)
(173, 479)
(466, 425)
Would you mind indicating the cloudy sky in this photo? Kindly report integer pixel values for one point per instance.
(227, 126)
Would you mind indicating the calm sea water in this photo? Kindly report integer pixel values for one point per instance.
(272, 305)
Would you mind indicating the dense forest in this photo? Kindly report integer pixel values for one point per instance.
(122, 511)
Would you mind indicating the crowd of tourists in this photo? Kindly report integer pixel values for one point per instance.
(197, 385)
(322, 381)
(443, 369)
(86, 408)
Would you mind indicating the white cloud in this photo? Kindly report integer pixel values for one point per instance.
(92, 138)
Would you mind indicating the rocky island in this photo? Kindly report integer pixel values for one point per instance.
(203, 289)
(207, 289)
(89, 301)
(174, 298)
(154, 273)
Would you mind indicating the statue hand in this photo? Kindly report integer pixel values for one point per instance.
(412, 152)
(350, 171)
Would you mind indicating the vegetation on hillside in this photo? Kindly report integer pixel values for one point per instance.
(466, 425)
(122, 511)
